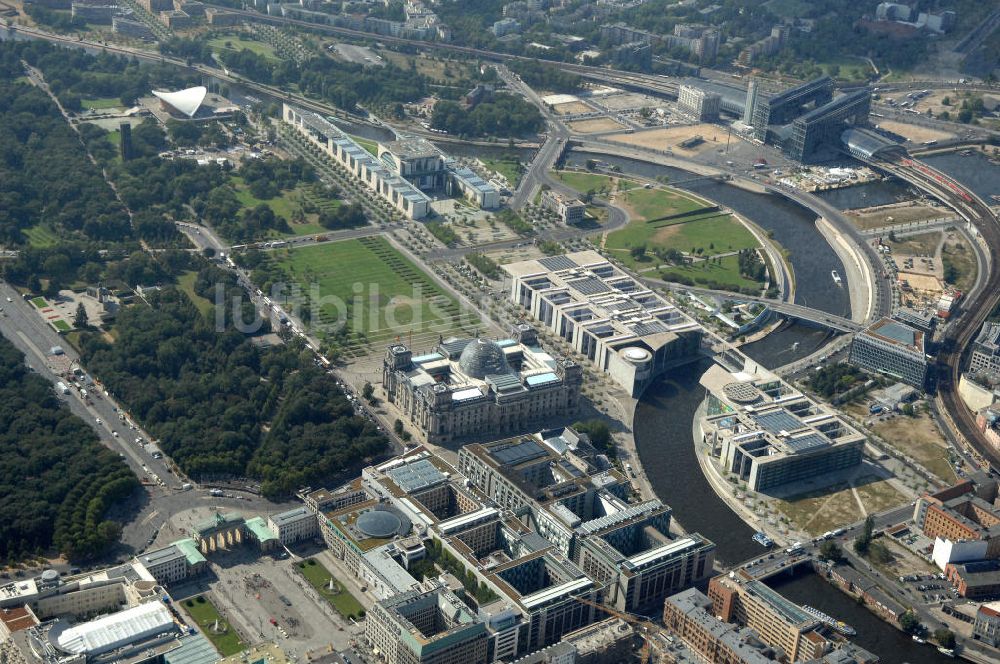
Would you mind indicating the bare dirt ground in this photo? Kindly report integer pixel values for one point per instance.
(571, 108)
(627, 101)
(525, 253)
(890, 215)
(672, 137)
(919, 438)
(914, 133)
(595, 126)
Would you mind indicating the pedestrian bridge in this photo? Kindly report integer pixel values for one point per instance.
(814, 316)
(797, 311)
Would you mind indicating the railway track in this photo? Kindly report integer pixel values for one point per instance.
(973, 312)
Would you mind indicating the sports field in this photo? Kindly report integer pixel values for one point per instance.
(376, 291)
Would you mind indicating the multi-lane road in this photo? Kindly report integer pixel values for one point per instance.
(22, 324)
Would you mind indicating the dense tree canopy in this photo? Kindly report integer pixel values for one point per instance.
(45, 176)
(56, 480)
(506, 116)
(220, 404)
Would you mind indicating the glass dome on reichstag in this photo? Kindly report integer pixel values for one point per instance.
(481, 358)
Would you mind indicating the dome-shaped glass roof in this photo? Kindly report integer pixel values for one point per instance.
(481, 358)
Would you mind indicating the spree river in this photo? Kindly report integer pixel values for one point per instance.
(664, 415)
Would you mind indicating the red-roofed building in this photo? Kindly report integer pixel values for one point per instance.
(15, 619)
(986, 628)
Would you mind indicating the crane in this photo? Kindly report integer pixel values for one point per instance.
(642, 625)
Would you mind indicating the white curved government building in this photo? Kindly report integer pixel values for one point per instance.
(185, 102)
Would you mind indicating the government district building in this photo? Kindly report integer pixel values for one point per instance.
(578, 504)
(536, 534)
(625, 329)
(768, 434)
(891, 348)
(402, 170)
(466, 388)
(426, 627)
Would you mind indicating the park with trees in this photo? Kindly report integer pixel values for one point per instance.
(57, 482)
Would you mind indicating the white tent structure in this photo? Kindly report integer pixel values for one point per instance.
(116, 630)
(183, 101)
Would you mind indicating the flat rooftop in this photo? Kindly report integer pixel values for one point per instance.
(898, 334)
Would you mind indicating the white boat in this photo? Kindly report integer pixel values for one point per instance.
(918, 639)
(836, 276)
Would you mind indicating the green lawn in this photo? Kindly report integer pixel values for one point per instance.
(712, 233)
(101, 103)
(186, 283)
(367, 144)
(225, 640)
(281, 205)
(234, 43)
(584, 182)
(41, 236)
(378, 292)
(709, 274)
(61, 325)
(319, 577)
(648, 204)
(285, 205)
(510, 168)
(115, 138)
(39, 302)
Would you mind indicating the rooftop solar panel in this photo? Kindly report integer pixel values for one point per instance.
(590, 286)
(526, 450)
(652, 327)
(625, 285)
(811, 442)
(415, 476)
(780, 420)
(554, 263)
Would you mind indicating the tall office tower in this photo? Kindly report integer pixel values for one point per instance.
(751, 101)
(125, 129)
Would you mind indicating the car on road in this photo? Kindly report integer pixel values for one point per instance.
(98, 420)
